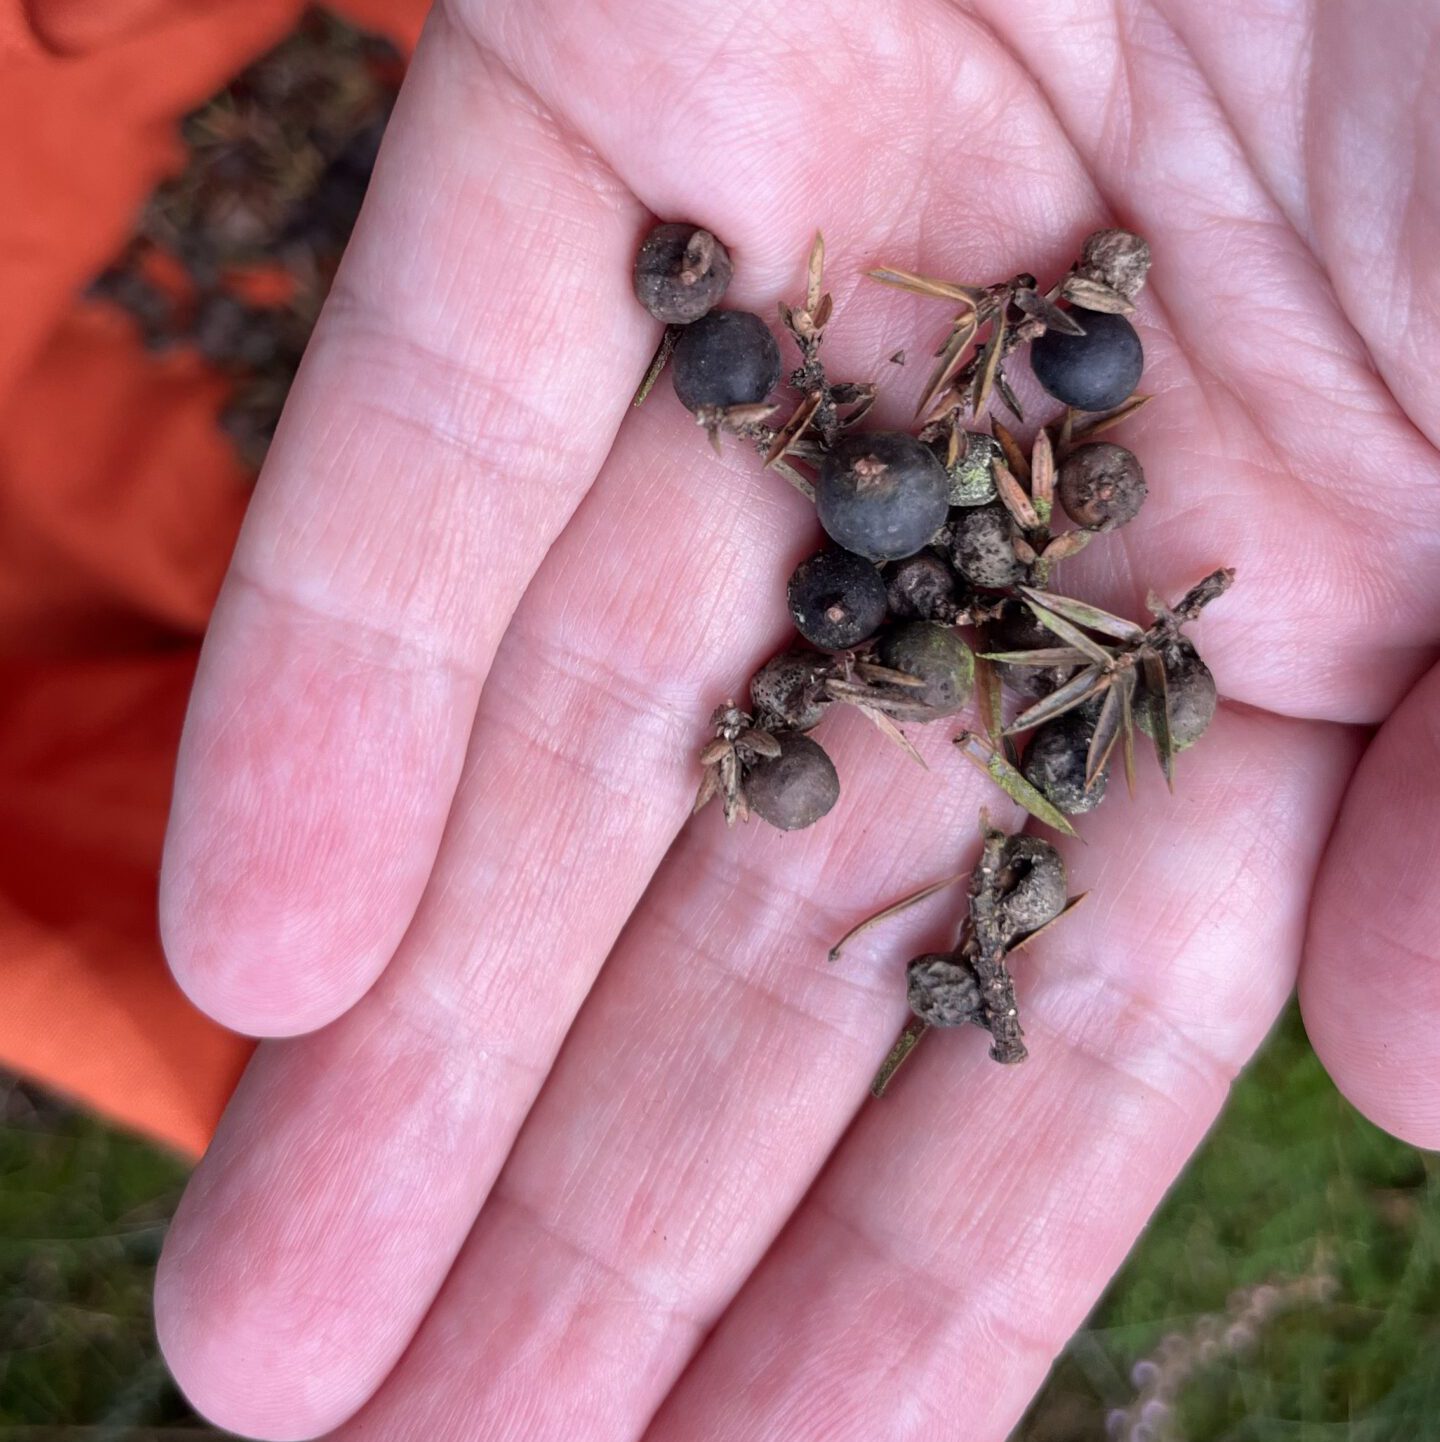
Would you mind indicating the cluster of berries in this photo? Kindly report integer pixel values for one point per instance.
(945, 528)
(930, 532)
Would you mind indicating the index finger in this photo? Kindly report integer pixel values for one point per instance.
(462, 387)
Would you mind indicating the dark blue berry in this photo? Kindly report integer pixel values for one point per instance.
(837, 599)
(1094, 371)
(726, 358)
(882, 495)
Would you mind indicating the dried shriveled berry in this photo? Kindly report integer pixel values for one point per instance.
(788, 691)
(1190, 689)
(1094, 371)
(982, 546)
(1117, 258)
(837, 599)
(1018, 630)
(796, 788)
(1101, 486)
(681, 272)
(1034, 883)
(726, 358)
(942, 990)
(923, 587)
(935, 655)
(882, 495)
(972, 477)
(1055, 760)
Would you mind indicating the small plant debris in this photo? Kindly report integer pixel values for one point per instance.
(930, 532)
(235, 255)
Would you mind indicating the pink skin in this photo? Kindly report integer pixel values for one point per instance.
(442, 742)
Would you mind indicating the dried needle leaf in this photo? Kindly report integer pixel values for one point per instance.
(1107, 732)
(1075, 692)
(1033, 303)
(784, 468)
(1069, 543)
(795, 427)
(989, 363)
(1043, 656)
(1093, 295)
(1101, 424)
(1015, 458)
(658, 361)
(1061, 626)
(1012, 783)
(1159, 703)
(1025, 553)
(893, 909)
(1012, 493)
(970, 295)
(1127, 702)
(1007, 395)
(715, 752)
(709, 785)
(874, 671)
(892, 732)
(952, 353)
(909, 1039)
(814, 274)
(1066, 437)
(1084, 614)
(762, 743)
(1042, 471)
(1054, 921)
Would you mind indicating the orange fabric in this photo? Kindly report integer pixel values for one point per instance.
(119, 503)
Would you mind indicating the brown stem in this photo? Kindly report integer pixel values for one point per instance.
(986, 953)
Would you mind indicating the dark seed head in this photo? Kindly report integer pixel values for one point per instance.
(837, 599)
(1094, 371)
(983, 548)
(680, 273)
(1018, 630)
(787, 692)
(1033, 884)
(796, 788)
(882, 495)
(972, 477)
(935, 655)
(942, 990)
(923, 587)
(726, 358)
(1101, 486)
(1054, 764)
(1117, 258)
(1190, 688)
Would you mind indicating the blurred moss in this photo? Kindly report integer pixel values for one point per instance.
(83, 1210)
(1291, 1174)
(1291, 1178)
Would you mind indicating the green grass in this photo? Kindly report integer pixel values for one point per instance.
(1290, 1175)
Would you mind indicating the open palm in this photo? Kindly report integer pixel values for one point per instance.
(584, 1150)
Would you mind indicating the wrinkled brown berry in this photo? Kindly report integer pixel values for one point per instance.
(1054, 764)
(680, 273)
(1190, 688)
(1101, 486)
(787, 692)
(1035, 877)
(922, 587)
(837, 599)
(796, 788)
(935, 655)
(942, 990)
(983, 548)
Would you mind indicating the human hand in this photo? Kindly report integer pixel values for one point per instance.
(459, 495)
